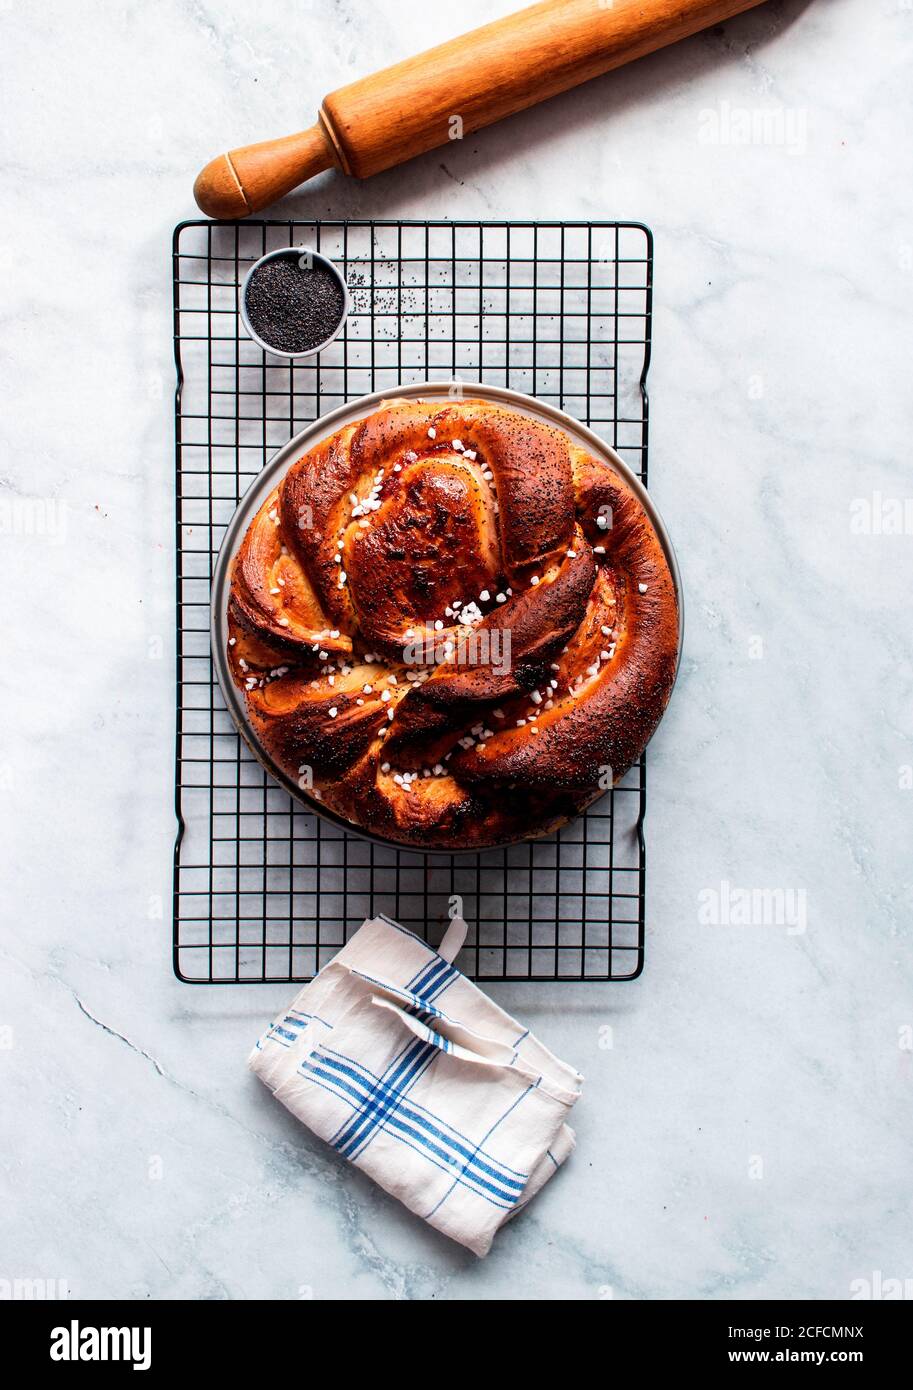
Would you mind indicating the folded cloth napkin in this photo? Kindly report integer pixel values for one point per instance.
(392, 1056)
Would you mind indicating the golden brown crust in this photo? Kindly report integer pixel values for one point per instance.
(452, 625)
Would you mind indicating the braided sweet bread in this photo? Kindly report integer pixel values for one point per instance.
(452, 625)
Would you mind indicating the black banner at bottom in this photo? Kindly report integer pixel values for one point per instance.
(119, 1337)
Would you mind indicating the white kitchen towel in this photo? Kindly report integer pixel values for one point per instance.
(407, 1069)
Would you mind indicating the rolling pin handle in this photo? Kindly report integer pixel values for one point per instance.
(248, 179)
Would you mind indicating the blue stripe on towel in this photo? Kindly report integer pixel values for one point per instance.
(368, 1076)
(409, 1128)
(435, 1128)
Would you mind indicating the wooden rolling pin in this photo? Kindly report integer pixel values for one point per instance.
(452, 90)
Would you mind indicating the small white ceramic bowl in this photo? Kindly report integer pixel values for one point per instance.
(292, 253)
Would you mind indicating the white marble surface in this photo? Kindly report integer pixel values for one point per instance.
(780, 392)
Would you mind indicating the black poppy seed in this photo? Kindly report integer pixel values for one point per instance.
(293, 308)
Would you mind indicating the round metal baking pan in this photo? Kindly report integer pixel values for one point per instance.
(275, 470)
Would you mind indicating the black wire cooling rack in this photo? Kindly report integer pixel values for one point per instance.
(263, 888)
